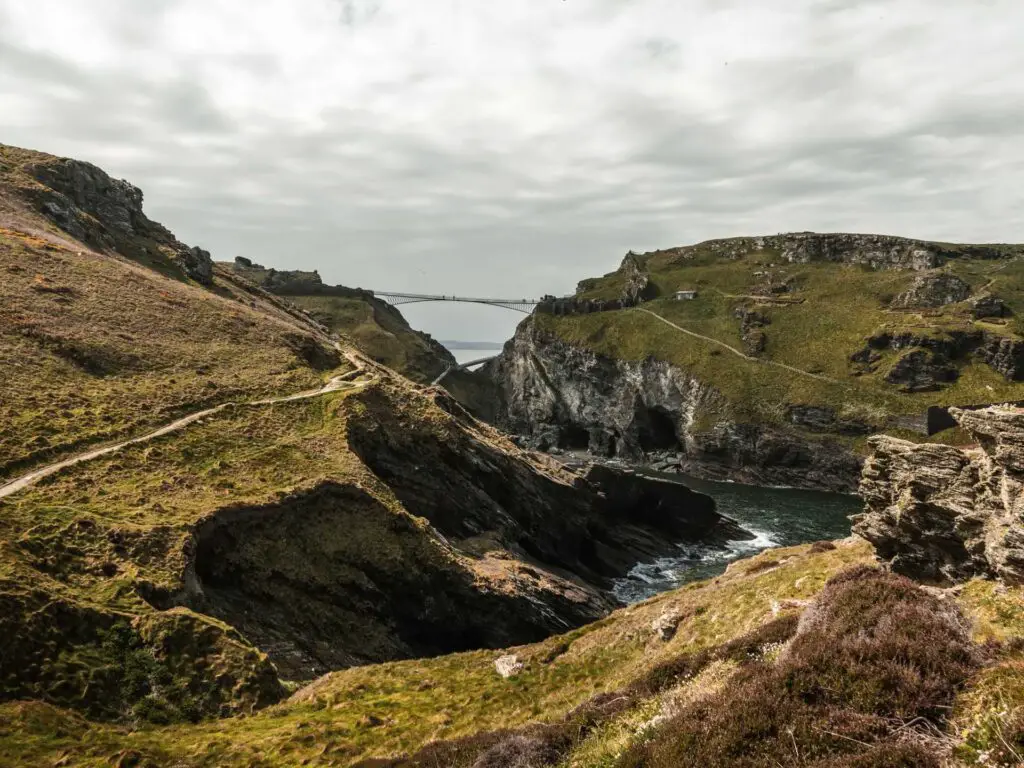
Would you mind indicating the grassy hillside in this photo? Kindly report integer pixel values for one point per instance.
(813, 317)
(98, 342)
(732, 638)
(375, 327)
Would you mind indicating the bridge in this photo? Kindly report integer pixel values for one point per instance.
(397, 298)
(461, 367)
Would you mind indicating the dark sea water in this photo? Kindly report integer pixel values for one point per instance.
(778, 517)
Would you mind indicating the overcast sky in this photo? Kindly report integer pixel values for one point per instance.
(513, 148)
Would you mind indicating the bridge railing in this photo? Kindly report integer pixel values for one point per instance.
(446, 297)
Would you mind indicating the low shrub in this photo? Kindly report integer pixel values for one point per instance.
(872, 650)
(821, 546)
(537, 745)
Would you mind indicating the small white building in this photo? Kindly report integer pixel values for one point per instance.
(686, 295)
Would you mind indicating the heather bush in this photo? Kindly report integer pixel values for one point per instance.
(873, 652)
(821, 546)
(536, 745)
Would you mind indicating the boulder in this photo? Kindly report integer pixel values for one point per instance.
(987, 305)
(508, 666)
(197, 264)
(666, 624)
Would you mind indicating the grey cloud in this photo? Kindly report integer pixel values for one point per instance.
(530, 166)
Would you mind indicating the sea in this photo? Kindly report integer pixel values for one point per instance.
(778, 517)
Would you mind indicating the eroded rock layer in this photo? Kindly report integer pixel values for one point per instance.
(947, 514)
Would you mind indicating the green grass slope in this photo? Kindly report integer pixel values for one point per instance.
(375, 327)
(730, 687)
(826, 313)
(103, 340)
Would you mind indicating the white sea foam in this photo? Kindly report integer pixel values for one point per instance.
(668, 571)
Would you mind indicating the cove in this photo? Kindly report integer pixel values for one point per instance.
(778, 517)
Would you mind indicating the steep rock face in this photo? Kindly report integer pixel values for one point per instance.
(331, 578)
(942, 513)
(933, 290)
(875, 251)
(563, 396)
(931, 359)
(638, 286)
(1005, 355)
(106, 213)
(592, 527)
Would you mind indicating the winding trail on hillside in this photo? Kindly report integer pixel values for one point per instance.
(737, 352)
(336, 384)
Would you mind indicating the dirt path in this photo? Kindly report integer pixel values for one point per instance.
(737, 352)
(33, 477)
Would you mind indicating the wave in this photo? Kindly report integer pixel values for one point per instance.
(694, 561)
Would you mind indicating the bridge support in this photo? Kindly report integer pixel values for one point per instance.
(461, 367)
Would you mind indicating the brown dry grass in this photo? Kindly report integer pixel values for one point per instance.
(93, 347)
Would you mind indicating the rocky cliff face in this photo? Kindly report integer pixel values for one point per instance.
(561, 396)
(875, 251)
(103, 212)
(946, 514)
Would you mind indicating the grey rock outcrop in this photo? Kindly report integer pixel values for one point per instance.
(638, 286)
(560, 395)
(931, 360)
(987, 306)
(944, 514)
(197, 264)
(1005, 355)
(106, 213)
(874, 251)
(933, 290)
(752, 330)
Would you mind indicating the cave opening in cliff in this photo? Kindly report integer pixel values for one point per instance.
(656, 430)
(573, 437)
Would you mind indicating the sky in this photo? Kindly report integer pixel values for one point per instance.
(514, 148)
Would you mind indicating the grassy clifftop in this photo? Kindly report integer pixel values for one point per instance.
(372, 325)
(883, 340)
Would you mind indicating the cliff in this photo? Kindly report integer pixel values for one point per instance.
(567, 397)
(95, 209)
(779, 355)
(947, 514)
(266, 504)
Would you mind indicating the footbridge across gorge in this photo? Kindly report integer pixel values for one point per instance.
(397, 298)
